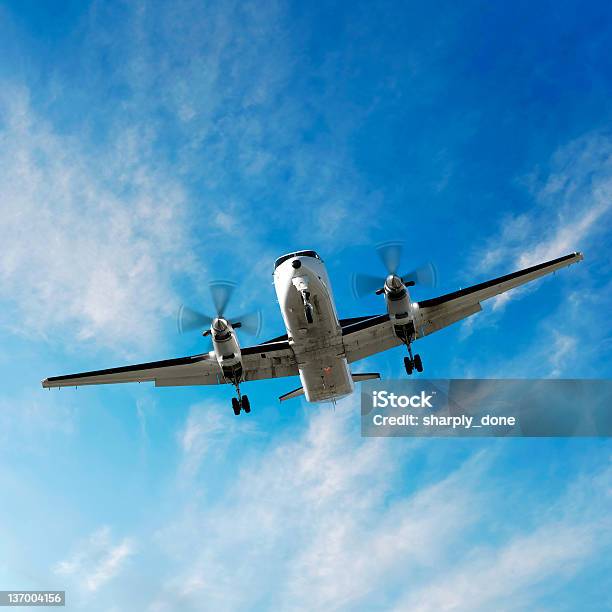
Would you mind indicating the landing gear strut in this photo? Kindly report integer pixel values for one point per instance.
(308, 312)
(412, 363)
(241, 402)
(308, 309)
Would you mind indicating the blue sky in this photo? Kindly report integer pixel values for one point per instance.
(146, 148)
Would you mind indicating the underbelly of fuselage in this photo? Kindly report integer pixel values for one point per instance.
(326, 380)
(317, 345)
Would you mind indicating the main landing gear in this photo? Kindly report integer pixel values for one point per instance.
(412, 363)
(241, 402)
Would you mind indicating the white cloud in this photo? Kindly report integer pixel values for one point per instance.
(96, 561)
(30, 422)
(210, 429)
(563, 348)
(90, 237)
(501, 579)
(328, 520)
(571, 342)
(515, 573)
(245, 129)
(573, 202)
(102, 213)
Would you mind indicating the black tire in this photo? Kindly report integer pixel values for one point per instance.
(308, 313)
(236, 406)
(408, 365)
(246, 405)
(418, 364)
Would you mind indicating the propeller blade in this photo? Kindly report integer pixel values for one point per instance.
(364, 284)
(390, 254)
(426, 276)
(221, 292)
(250, 322)
(188, 319)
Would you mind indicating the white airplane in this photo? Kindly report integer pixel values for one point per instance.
(318, 347)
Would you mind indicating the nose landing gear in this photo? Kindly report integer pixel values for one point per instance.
(308, 312)
(308, 309)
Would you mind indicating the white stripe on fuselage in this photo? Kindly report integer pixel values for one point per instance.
(318, 346)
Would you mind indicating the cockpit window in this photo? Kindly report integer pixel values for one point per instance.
(284, 258)
(307, 254)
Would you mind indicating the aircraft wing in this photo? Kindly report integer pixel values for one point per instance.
(365, 336)
(267, 360)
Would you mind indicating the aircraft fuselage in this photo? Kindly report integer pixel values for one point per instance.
(302, 285)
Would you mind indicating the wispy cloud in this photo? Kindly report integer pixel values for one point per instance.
(29, 423)
(573, 200)
(209, 431)
(501, 578)
(96, 561)
(90, 237)
(326, 519)
(574, 528)
(188, 141)
(571, 212)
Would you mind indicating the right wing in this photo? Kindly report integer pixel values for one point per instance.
(439, 312)
(267, 360)
(366, 336)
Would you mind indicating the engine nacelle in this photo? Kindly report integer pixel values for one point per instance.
(399, 306)
(227, 349)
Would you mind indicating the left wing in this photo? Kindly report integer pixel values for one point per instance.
(267, 360)
(365, 336)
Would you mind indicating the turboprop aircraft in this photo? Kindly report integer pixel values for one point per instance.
(319, 347)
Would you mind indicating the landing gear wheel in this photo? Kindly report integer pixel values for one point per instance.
(236, 405)
(246, 405)
(418, 364)
(308, 313)
(408, 365)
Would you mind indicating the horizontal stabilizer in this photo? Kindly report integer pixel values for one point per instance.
(295, 393)
(365, 376)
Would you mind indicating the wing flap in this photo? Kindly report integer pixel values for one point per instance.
(265, 364)
(200, 366)
(368, 337)
(183, 367)
(436, 319)
(186, 381)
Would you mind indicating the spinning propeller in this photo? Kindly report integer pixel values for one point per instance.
(390, 254)
(221, 293)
